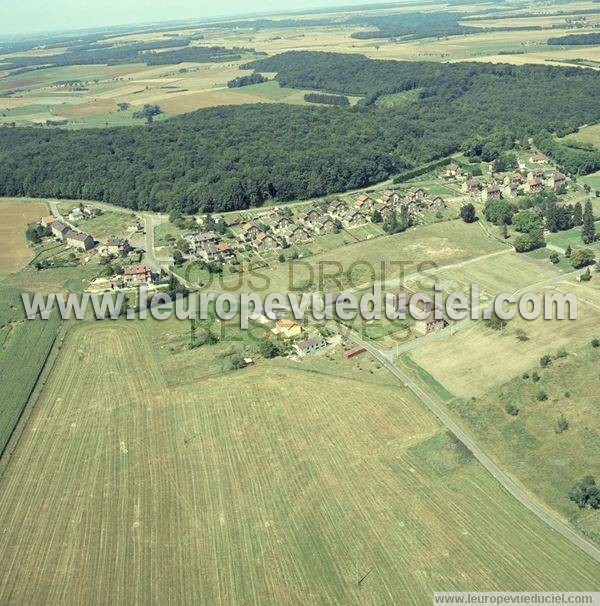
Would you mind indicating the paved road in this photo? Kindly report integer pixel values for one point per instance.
(505, 480)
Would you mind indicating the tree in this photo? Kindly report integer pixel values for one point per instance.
(554, 258)
(177, 258)
(512, 410)
(588, 230)
(236, 361)
(496, 323)
(268, 349)
(527, 221)
(499, 212)
(568, 251)
(582, 257)
(376, 217)
(586, 494)
(468, 213)
(577, 214)
(561, 424)
(529, 241)
(545, 361)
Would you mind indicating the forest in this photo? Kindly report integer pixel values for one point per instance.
(576, 40)
(234, 157)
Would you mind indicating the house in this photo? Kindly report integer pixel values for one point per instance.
(312, 216)
(307, 346)
(515, 178)
(265, 241)
(416, 193)
(134, 228)
(557, 181)
(59, 230)
(354, 218)
(296, 234)
(287, 328)
(225, 251)
(281, 223)
(47, 220)
(202, 242)
(115, 246)
(79, 240)
(338, 208)
(491, 192)
(384, 209)
(453, 171)
(76, 215)
(533, 187)
(430, 325)
(437, 203)
(364, 203)
(536, 174)
(537, 159)
(136, 274)
(325, 226)
(472, 186)
(390, 197)
(249, 231)
(510, 190)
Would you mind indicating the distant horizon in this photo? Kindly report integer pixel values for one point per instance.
(77, 18)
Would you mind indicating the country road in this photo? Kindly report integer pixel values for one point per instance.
(503, 478)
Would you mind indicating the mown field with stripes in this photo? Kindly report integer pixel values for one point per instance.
(270, 485)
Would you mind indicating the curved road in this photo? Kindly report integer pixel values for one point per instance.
(505, 480)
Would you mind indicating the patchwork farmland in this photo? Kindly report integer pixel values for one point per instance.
(245, 490)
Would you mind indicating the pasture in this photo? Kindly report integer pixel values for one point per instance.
(270, 485)
(15, 215)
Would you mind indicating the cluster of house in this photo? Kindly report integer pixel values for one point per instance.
(209, 247)
(69, 236)
(514, 184)
(279, 228)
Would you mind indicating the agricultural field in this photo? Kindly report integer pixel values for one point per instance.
(40, 96)
(24, 347)
(15, 215)
(587, 134)
(264, 486)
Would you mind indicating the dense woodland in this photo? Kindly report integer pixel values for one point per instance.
(576, 40)
(239, 156)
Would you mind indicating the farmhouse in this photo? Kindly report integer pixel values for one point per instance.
(287, 328)
(491, 192)
(79, 240)
(307, 346)
(134, 228)
(471, 186)
(59, 230)
(364, 203)
(136, 274)
(225, 251)
(115, 246)
(537, 159)
(384, 209)
(416, 193)
(515, 178)
(437, 203)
